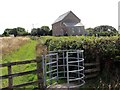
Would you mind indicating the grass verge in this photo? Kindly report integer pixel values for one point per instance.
(25, 52)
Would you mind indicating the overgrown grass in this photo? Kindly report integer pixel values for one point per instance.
(25, 52)
(10, 44)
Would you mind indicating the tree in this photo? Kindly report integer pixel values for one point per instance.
(103, 30)
(34, 32)
(19, 31)
(45, 30)
(50, 33)
(5, 34)
(90, 31)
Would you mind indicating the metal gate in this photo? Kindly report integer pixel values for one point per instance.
(50, 69)
(75, 68)
(64, 64)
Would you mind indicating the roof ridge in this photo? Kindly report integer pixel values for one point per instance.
(61, 17)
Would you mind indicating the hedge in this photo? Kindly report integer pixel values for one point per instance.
(104, 48)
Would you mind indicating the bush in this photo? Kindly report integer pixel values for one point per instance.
(105, 49)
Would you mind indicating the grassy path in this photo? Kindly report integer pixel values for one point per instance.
(25, 52)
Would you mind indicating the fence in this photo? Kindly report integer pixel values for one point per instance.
(10, 76)
(91, 70)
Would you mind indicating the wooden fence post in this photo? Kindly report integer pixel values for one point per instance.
(98, 61)
(39, 73)
(40, 50)
(10, 79)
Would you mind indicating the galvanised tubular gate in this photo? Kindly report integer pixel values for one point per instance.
(50, 73)
(64, 64)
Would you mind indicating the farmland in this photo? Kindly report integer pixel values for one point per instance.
(107, 48)
(18, 49)
(10, 44)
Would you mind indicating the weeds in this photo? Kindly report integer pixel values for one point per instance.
(9, 44)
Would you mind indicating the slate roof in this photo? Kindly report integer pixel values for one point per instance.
(61, 17)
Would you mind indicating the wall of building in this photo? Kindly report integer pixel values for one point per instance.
(76, 31)
(57, 29)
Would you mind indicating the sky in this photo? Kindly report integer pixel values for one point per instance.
(37, 13)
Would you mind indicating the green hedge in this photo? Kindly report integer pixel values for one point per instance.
(104, 48)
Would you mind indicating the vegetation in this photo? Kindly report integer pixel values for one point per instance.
(25, 51)
(9, 44)
(19, 31)
(43, 31)
(91, 45)
(103, 30)
(104, 49)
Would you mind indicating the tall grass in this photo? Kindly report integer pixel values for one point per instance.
(25, 51)
(9, 44)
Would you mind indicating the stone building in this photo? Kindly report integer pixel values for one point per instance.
(68, 24)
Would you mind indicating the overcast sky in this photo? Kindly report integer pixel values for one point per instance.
(25, 13)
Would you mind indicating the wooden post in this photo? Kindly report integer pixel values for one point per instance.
(10, 79)
(98, 61)
(39, 73)
(40, 50)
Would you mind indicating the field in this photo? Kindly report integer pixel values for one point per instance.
(18, 49)
(9, 44)
(23, 48)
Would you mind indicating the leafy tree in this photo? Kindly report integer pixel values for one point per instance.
(5, 34)
(90, 31)
(37, 32)
(19, 31)
(45, 29)
(34, 32)
(103, 30)
(50, 33)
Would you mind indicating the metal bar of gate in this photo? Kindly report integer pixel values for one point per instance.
(78, 53)
(50, 69)
(67, 69)
(57, 67)
(64, 63)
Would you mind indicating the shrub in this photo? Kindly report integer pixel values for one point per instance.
(105, 49)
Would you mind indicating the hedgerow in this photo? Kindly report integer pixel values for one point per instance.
(105, 48)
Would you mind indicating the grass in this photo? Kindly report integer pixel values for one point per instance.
(10, 44)
(25, 52)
